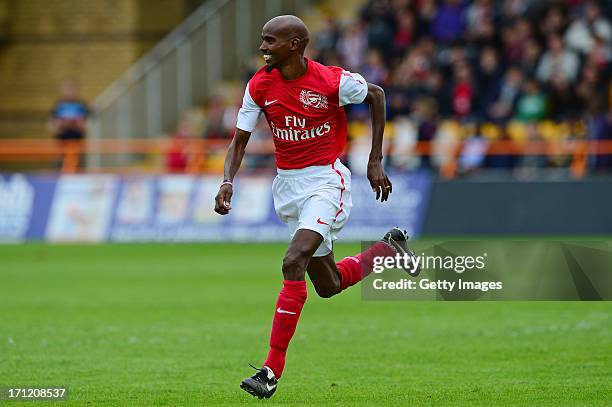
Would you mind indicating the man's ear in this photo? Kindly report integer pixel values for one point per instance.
(295, 44)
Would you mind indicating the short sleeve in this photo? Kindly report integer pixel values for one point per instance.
(353, 88)
(249, 113)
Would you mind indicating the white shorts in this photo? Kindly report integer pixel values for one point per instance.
(317, 198)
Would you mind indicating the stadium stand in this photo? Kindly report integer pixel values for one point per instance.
(500, 78)
(511, 84)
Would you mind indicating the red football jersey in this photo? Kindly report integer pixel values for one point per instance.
(306, 115)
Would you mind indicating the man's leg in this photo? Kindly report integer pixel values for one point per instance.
(292, 296)
(286, 313)
(329, 278)
(324, 275)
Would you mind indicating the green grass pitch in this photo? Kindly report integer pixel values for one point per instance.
(172, 325)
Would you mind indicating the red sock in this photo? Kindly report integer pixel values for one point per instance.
(355, 268)
(286, 315)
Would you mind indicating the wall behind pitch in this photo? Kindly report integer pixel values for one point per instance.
(179, 208)
(464, 207)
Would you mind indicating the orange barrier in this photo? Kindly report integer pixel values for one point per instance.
(69, 152)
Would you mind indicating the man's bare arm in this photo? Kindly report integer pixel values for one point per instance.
(233, 159)
(379, 181)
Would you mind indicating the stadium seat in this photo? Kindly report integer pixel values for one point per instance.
(491, 131)
(517, 131)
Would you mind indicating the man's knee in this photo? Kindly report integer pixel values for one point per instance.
(294, 265)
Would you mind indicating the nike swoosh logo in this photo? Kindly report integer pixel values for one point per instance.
(319, 221)
(282, 311)
(266, 103)
(353, 258)
(270, 387)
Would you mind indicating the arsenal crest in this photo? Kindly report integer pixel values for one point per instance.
(311, 98)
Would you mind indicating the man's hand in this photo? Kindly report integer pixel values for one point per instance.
(379, 181)
(223, 199)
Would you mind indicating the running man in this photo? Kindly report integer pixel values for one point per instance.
(303, 102)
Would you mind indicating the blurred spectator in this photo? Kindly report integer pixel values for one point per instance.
(554, 21)
(449, 23)
(380, 20)
(405, 34)
(509, 91)
(410, 79)
(436, 89)
(177, 155)
(327, 38)
(474, 149)
(591, 85)
(397, 6)
(256, 160)
(515, 8)
(564, 104)
(531, 105)
(360, 146)
(445, 144)
(404, 141)
(557, 59)
(601, 54)
(398, 92)
(427, 11)
(530, 58)
(488, 36)
(600, 130)
(426, 47)
(449, 58)
(374, 70)
(68, 117)
(582, 33)
(425, 118)
(215, 127)
(489, 80)
(331, 58)
(418, 66)
(515, 39)
(479, 14)
(352, 46)
(463, 91)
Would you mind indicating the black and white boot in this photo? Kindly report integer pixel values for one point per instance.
(261, 384)
(398, 240)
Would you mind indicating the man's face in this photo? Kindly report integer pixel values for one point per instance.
(69, 90)
(275, 46)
